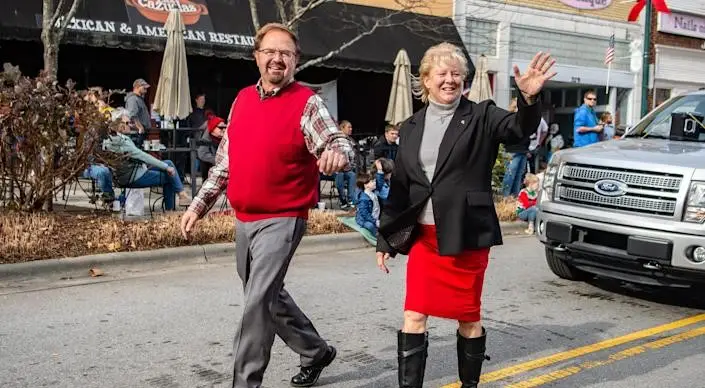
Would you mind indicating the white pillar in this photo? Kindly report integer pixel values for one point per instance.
(612, 103)
(503, 79)
(628, 115)
(635, 101)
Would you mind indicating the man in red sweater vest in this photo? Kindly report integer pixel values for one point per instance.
(280, 136)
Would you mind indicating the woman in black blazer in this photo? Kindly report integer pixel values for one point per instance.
(440, 209)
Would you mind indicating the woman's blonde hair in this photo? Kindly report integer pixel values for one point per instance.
(439, 54)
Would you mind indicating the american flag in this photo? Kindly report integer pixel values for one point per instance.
(609, 54)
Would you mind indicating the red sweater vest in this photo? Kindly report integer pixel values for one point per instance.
(271, 171)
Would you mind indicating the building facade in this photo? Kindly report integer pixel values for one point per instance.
(443, 8)
(677, 50)
(576, 32)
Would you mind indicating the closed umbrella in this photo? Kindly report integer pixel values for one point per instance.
(173, 97)
(480, 90)
(400, 103)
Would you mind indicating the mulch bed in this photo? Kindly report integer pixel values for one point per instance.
(27, 237)
(79, 232)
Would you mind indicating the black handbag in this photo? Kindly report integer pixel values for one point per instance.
(401, 232)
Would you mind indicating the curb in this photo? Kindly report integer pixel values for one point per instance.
(195, 254)
(513, 228)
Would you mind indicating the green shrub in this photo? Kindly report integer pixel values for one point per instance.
(48, 135)
(500, 165)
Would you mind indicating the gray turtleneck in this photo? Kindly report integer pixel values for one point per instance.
(438, 117)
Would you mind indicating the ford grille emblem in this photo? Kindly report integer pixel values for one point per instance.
(610, 187)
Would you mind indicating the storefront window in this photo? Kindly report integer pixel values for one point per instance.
(660, 96)
(602, 97)
(623, 106)
(571, 98)
(557, 98)
(481, 37)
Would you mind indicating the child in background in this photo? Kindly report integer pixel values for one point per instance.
(526, 202)
(368, 209)
(384, 169)
(608, 131)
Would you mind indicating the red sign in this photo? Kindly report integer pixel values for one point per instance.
(158, 10)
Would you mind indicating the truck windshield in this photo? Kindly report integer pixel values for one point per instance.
(658, 122)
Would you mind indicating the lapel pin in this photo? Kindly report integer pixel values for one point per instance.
(462, 122)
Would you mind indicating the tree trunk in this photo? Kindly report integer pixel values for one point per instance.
(253, 13)
(55, 19)
(51, 59)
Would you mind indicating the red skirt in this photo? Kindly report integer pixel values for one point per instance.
(444, 286)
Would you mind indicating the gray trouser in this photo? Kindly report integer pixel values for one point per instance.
(263, 253)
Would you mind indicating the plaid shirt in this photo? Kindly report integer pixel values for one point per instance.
(320, 132)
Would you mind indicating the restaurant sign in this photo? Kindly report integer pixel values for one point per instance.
(587, 4)
(147, 19)
(682, 24)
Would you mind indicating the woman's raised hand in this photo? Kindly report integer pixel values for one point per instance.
(539, 71)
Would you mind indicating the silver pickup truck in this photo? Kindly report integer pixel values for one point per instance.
(631, 209)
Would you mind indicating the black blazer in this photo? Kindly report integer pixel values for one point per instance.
(461, 189)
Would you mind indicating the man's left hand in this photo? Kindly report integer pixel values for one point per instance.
(332, 161)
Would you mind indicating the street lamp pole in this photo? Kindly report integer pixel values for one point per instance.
(645, 63)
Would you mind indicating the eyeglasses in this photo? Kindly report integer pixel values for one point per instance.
(287, 54)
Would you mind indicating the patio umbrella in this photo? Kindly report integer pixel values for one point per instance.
(173, 97)
(480, 89)
(400, 104)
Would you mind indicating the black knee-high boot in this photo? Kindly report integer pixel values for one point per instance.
(412, 351)
(471, 354)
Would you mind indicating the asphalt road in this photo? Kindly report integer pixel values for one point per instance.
(169, 328)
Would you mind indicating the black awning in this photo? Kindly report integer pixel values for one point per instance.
(224, 28)
(214, 27)
(331, 25)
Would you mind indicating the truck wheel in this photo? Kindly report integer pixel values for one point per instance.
(562, 269)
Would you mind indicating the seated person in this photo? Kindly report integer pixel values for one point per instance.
(100, 173)
(345, 184)
(133, 173)
(209, 142)
(103, 177)
(368, 209)
(526, 201)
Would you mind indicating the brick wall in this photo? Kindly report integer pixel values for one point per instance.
(617, 10)
(427, 7)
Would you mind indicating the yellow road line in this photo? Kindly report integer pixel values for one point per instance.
(627, 353)
(583, 350)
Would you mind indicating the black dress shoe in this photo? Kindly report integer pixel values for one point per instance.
(308, 376)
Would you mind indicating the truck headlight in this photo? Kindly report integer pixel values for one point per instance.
(695, 208)
(549, 180)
